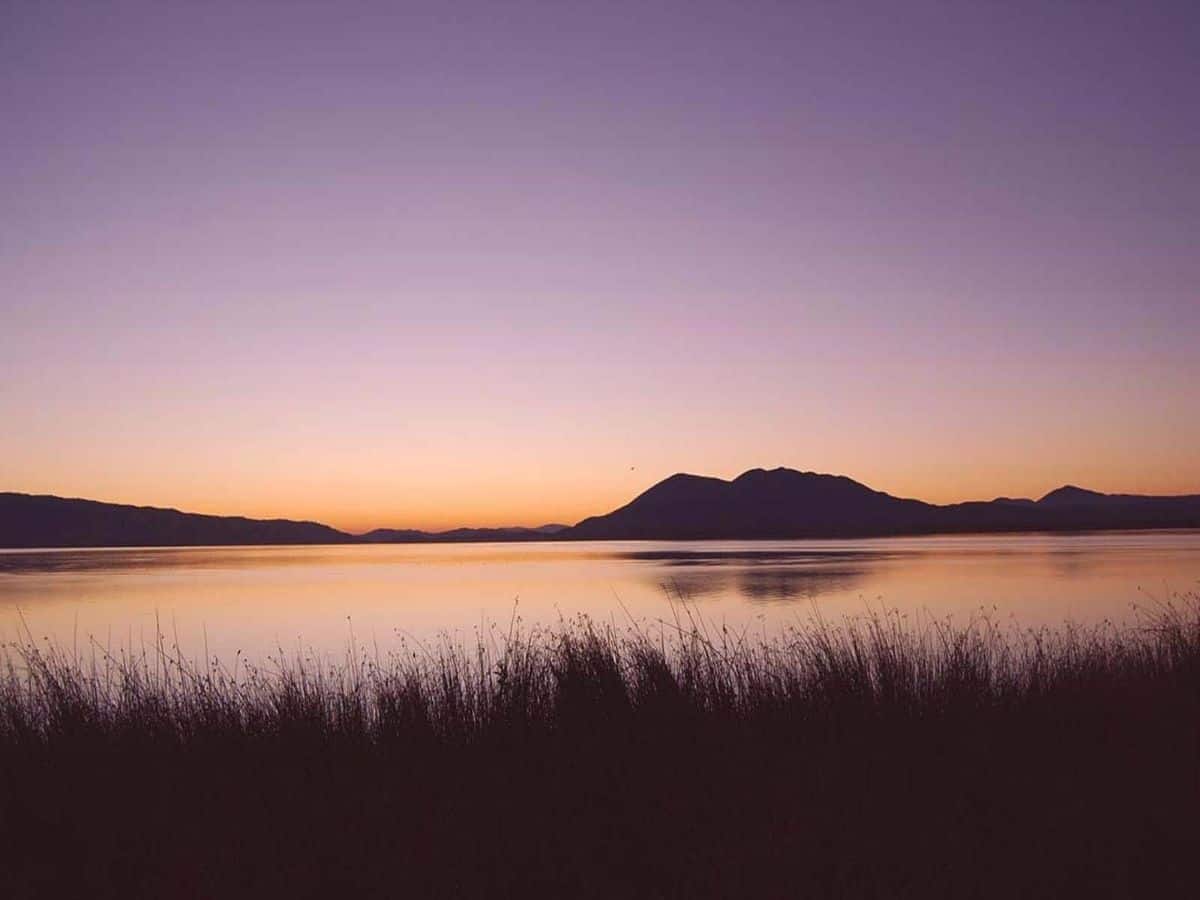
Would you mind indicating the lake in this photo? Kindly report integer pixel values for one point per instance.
(261, 599)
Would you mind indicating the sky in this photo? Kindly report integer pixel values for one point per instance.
(428, 265)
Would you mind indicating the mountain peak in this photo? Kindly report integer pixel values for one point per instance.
(778, 502)
(1071, 494)
(752, 474)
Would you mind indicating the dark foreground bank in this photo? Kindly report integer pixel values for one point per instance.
(874, 759)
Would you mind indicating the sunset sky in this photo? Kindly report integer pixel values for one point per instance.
(409, 265)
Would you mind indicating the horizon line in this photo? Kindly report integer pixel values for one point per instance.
(356, 532)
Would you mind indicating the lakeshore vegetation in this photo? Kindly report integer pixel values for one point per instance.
(870, 757)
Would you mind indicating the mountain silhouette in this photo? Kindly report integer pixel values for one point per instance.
(784, 503)
(758, 504)
(461, 535)
(30, 520)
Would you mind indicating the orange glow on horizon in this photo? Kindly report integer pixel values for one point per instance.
(540, 501)
(374, 275)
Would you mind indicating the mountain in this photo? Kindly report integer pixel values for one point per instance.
(758, 504)
(461, 535)
(29, 520)
(1069, 495)
(784, 503)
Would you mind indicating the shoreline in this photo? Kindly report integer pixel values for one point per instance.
(859, 759)
(1082, 532)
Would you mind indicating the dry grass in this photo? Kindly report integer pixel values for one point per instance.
(871, 757)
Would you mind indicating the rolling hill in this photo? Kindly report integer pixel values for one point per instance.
(784, 503)
(33, 520)
(758, 504)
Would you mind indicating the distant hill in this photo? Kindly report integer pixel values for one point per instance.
(40, 520)
(784, 503)
(29, 520)
(462, 535)
(758, 504)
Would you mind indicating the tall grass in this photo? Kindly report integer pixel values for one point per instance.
(870, 757)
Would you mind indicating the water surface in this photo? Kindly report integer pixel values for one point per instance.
(262, 599)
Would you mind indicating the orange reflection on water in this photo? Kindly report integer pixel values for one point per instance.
(262, 599)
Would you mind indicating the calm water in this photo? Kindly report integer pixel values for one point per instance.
(259, 599)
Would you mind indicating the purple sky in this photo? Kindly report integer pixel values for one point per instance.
(394, 264)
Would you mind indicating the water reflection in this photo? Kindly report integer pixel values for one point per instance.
(785, 585)
(758, 575)
(29, 562)
(722, 556)
(254, 599)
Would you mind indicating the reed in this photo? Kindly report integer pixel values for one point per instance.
(875, 756)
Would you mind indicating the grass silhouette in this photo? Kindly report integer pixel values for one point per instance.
(872, 757)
